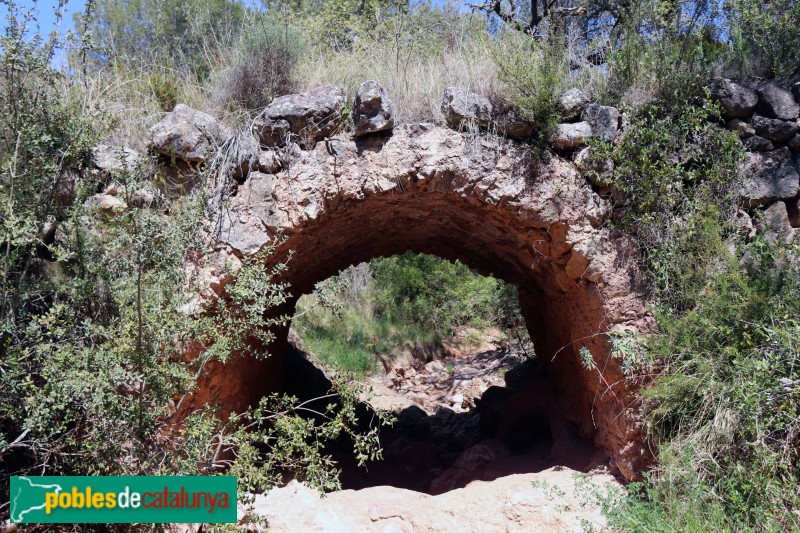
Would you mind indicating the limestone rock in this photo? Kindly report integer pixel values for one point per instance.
(269, 162)
(460, 107)
(570, 136)
(373, 110)
(598, 173)
(486, 200)
(604, 121)
(510, 121)
(188, 134)
(777, 101)
(736, 100)
(744, 224)
(793, 208)
(111, 159)
(757, 143)
(768, 176)
(242, 154)
(775, 224)
(510, 504)
(105, 203)
(744, 129)
(304, 118)
(272, 132)
(571, 103)
(773, 129)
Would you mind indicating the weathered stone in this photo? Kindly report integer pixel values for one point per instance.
(188, 134)
(768, 176)
(515, 503)
(773, 129)
(510, 121)
(736, 101)
(373, 110)
(758, 144)
(775, 224)
(485, 201)
(116, 159)
(269, 162)
(461, 107)
(570, 136)
(744, 129)
(66, 188)
(596, 172)
(744, 224)
(272, 132)
(777, 102)
(304, 118)
(793, 208)
(793, 144)
(105, 203)
(796, 91)
(242, 154)
(140, 197)
(604, 121)
(571, 103)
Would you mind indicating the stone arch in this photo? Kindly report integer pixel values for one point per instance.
(480, 199)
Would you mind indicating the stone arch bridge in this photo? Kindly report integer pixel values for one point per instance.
(338, 199)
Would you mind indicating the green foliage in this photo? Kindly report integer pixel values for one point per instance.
(666, 51)
(719, 412)
(354, 340)
(263, 66)
(675, 171)
(434, 293)
(764, 37)
(176, 33)
(101, 338)
(378, 310)
(535, 73)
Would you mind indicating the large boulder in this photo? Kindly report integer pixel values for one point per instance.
(373, 110)
(756, 143)
(571, 103)
(773, 129)
(188, 134)
(736, 100)
(509, 120)
(775, 224)
(304, 118)
(776, 101)
(460, 106)
(604, 121)
(768, 176)
(570, 136)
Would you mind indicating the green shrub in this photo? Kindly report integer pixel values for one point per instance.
(722, 424)
(764, 37)
(263, 66)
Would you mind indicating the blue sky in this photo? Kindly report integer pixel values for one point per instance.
(46, 12)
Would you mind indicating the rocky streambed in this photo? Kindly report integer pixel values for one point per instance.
(479, 444)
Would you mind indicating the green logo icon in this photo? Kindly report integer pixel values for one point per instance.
(122, 500)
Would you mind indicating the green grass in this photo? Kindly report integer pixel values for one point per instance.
(350, 339)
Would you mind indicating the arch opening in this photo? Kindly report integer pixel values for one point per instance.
(472, 402)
